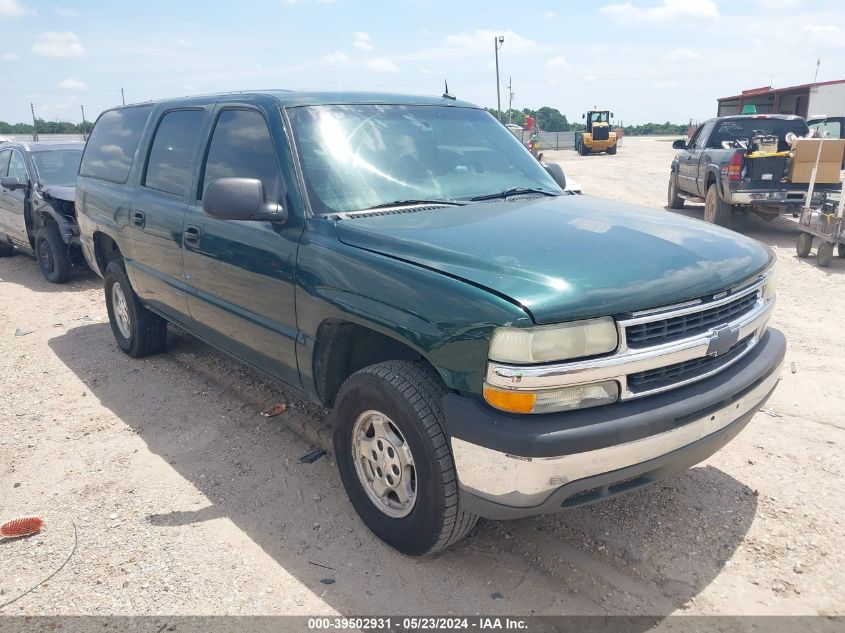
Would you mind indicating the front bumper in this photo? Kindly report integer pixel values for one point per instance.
(510, 466)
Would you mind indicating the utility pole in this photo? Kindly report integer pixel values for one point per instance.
(818, 63)
(498, 40)
(84, 125)
(34, 124)
(122, 98)
(510, 99)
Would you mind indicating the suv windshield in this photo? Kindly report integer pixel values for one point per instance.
(57, 167)
(362, 156)
(732, 130)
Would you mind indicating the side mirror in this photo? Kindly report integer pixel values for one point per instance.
(612, 115)
(240, 199)
(679, 144)
(583, 116)
(12, 183)
(556, 172)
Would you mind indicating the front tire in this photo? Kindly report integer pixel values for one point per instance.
(716, 210)
(52, 254)
(137, 330)
(804, 245)
(675, 201)
(824, 254)
(612, 150)
(394, 457)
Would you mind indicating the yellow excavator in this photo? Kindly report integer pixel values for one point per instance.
(597, 136)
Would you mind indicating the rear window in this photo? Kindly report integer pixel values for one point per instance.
(111, 147)
(737, 130)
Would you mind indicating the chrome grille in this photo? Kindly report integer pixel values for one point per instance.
(680, 327)
(687, 370)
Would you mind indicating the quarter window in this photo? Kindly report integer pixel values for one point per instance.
(170, 165)
(241, 147)
(113, 142)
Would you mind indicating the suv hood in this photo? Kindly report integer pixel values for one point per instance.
(568, 257)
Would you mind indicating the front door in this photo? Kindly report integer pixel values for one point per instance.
(157, 212)
(13, 202)
(241, 273)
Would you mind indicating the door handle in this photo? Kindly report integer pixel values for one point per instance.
(138, 218)
(191, 234)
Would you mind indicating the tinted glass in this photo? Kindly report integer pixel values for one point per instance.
(4, 162)
(359, 156)
(17, 168)
(827, 129)
(59, 167)
(732, 130)
(170, 165)
(241, 147)
(111, 147)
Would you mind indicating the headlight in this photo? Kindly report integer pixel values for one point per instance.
(553, 342)
(551, 400)
(771, 285)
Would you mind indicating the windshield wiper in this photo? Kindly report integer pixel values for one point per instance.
(402, 203)
(513, 191)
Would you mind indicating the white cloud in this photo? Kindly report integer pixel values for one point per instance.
(590, 79)
(58, 44)
(684, 54)
(481, 40)
(666, 84)
(556, 63)
(73, 84)
(823, 30)
(65, 12)
(337, 58)
(293, 2)
(363, 41)
(13, 8)
(382, 65)
(9, 57)
(184, 43)
(551, 15)
(666, 11)
(778, 5)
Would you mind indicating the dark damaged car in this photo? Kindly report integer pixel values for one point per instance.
(37, 211)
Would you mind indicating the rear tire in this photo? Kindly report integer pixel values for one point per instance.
(840, 250)
(6, 249)
(612, 150)
(52, 254)
(824, 254)
(393, 411)
(716, 210)
(137, 330)
(804, 244)
(675, 201)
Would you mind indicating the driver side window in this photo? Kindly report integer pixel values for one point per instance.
(17, 168)
(4, 162)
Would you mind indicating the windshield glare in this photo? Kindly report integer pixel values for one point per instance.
(57, 167)
(360, 156)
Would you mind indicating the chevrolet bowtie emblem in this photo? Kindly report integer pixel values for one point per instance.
(722, 340)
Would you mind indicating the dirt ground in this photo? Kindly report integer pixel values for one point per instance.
(170, 494)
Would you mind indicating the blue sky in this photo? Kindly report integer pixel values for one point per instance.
(648, 60)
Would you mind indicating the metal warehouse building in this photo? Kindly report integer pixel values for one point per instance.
(808, 100)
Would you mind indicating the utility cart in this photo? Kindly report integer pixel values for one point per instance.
(824, 219)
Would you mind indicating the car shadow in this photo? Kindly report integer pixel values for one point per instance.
(645, 553)
(23, 270)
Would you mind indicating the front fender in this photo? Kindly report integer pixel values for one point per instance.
(45, 212)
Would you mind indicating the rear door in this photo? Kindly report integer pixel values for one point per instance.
(241, 274)
(157, 211)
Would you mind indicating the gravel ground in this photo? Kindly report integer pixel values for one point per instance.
(167, 493)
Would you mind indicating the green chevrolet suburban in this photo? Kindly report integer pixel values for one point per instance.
(490, 345)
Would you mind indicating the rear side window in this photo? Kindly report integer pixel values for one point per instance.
(170, 165)
(241, 147)
(111, 147)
